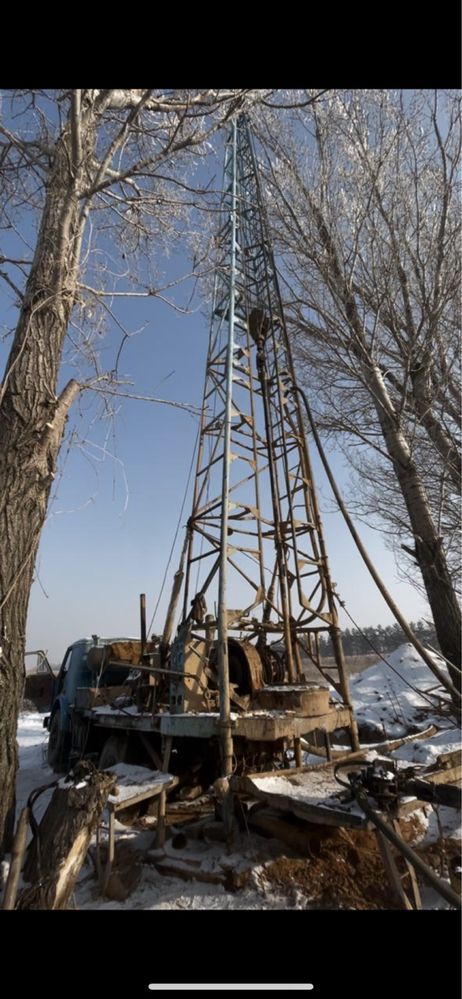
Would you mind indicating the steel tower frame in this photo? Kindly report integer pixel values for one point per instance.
(255, 514)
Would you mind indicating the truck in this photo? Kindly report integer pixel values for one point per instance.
(114, 701)
(74, 674)
(223, 690)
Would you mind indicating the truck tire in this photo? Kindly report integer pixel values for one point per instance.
(113, 751)
(56, 743)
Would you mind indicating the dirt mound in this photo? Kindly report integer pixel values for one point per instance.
(345, 869)
(346, 873)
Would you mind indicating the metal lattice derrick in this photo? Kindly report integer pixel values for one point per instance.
(269, 493)
(254, 536)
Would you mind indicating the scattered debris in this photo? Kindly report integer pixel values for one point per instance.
(308, 865)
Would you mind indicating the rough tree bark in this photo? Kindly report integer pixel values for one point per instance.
(32, 420)
(428, 544)
(429, 552)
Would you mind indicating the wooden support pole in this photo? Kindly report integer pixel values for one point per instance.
(160, 837)
(110, 851)
(167, 752)
(17, 854)
(392, 871)
(327, 745)
(298, 753)
(411, 871)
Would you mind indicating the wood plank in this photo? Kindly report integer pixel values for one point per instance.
(134, 799)
(264, 727)
(271, 727)
(382, 747)
(308, 801)
(447, 776)
(182, 869)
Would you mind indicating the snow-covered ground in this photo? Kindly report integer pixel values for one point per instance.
(402, 695)
(33, 768)
(156, 891)
(385, 703)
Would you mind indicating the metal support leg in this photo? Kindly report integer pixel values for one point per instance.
(392, 871)
(160, 836)
(167, 752)
(110, 850)
(99, 872)
(298, 753)
(416, 898)
(229, 820)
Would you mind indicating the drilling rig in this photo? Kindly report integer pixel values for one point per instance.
(253, 593)
(255, 533)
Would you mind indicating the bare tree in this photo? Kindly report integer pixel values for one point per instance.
(105, 175)
(363, 200)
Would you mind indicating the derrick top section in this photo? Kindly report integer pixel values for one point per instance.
(254, 536)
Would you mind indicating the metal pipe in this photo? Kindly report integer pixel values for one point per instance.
(222, 617)
(143, 621)
(174, 597)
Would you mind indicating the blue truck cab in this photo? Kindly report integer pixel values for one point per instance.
(73, 674)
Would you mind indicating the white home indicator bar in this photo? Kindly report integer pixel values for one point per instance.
(237, 987)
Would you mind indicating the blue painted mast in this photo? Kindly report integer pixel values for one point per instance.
(222, 617)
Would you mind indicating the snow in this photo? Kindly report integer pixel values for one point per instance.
(385, 702)
(133, 780)
(34, 771)
(309, 788)
(428, 750)
(110, 709)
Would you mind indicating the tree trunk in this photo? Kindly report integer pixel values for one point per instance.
(32, 421)
(60, 844)
(429, 551)
(428, 545)
(443, 442)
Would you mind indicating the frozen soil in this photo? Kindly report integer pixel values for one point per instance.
(348, 872)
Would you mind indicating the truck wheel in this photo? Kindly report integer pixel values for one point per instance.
(56, 742)
(114, 751)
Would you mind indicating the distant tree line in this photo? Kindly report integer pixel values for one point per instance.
(383, 639)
